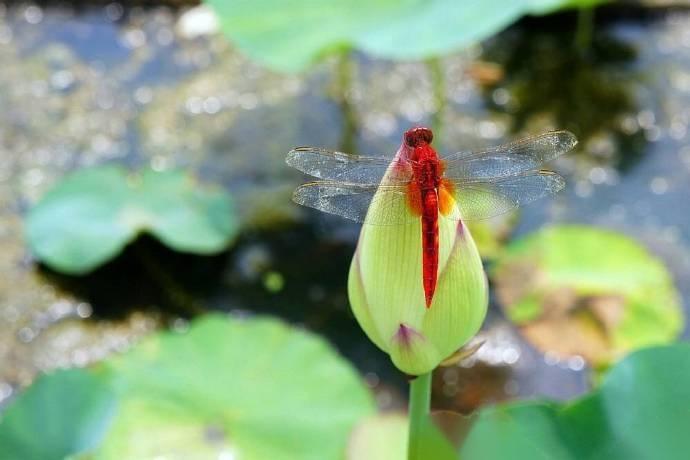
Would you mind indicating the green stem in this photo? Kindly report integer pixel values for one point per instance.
(420, 402)
(183, 301)
(438, 87)
(596, 375)
(344, 76)
(584, 29)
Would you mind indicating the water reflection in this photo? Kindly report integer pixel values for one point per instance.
(542, 73)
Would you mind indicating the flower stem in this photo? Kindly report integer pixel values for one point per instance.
(584, 29)
(344, 79)
(180, 298)
(420, 402)
(438, 86)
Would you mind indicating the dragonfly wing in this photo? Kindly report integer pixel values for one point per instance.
(509, 159)
(354, 169)
(482, 199)
(369, 204)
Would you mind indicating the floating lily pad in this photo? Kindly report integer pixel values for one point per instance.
(289, 35)
(61, 414)
(639, 412)
(577, 290)
(89, 217)
(250, 389)
(265, 389)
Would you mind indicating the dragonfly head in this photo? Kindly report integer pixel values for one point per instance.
(418, 136)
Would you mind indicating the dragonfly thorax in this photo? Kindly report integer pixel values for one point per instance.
(426, 167)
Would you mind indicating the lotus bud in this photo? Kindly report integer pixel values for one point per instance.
(387, 294)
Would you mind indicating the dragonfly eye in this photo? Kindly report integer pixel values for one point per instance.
(416, 136)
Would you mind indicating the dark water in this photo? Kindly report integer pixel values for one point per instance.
(108, 84)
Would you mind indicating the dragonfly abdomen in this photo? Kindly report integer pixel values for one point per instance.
(429, 243)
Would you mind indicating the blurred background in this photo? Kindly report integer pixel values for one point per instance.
(168, 86)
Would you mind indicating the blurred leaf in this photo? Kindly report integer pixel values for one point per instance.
(640, 412)
(252, 389)
(61, 414)
(94, 213)
(379, 437)
(289, 35)
(262, 389)
(434, 442)
(384, 437)
(586, 291)
(164, 431)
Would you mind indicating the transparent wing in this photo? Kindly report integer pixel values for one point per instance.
(509, 159)
(482, 199)
(353, 169)
(388, 203)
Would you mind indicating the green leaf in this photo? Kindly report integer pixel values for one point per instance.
(267, 390)
(61, 414)
(640, 412)
(588, 291)
(252, 389)
(289, 35)
(89, 217)
(380, 437)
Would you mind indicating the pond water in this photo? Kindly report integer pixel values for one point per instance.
(143, 87)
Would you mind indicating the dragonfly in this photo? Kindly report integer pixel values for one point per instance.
(465, 186)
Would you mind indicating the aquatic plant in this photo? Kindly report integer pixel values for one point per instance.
(291, 35)
(575, 290)
(92, 214)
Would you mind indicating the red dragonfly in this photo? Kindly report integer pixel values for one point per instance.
(467, 185)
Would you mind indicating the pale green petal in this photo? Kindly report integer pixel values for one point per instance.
(360, 306)
(414, 353)
(461, 298)
(390, 261)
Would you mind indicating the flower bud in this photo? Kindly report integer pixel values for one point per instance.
(387, 294)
